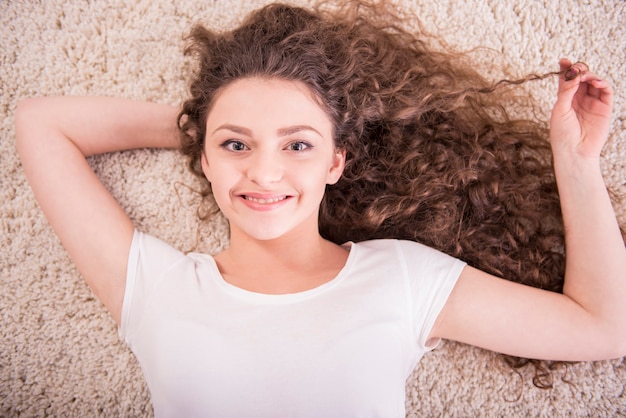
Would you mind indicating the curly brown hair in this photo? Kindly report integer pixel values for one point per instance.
(433, 155)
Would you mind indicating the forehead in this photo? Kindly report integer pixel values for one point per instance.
(251, 102)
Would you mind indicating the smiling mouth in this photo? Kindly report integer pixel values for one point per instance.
(265, 201)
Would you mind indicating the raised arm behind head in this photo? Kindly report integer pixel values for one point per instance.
(54, 135)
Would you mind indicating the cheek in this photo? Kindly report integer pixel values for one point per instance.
(221, 191)
(314, 181)
(220, 175)
(216, 170)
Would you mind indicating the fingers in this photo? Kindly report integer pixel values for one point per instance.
(598, 88)
(580, 79)
(578, 69)
(570, 82)
(572, 72)
(592, 86)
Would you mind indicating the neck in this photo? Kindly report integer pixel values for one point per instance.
(296, 261)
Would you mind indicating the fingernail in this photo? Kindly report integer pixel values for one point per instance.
(571, 74)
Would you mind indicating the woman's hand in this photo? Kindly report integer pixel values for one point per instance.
(582, 113)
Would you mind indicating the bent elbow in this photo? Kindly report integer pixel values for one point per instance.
(614, 344)
(620, 347)
(25, 108)
(25, 118)
(33, 120)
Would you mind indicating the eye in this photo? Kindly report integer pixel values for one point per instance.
(235, 146)
(299, 146)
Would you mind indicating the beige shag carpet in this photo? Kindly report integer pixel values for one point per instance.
(60, 354)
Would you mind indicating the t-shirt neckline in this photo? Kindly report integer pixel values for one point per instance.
(286, 297)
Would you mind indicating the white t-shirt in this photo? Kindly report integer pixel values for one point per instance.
(343, 349)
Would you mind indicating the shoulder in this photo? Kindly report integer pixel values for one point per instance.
(157, 256)
(401, 247)
(413, 257)
(154, 264)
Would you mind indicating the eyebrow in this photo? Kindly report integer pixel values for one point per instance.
(289, 130)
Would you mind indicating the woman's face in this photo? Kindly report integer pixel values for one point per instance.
(269, 153)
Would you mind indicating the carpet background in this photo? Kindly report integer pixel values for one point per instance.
(59, 350)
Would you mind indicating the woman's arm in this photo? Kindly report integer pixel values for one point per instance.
(588, 321)
(53, 137)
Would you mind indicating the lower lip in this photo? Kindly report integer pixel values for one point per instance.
(264, 207)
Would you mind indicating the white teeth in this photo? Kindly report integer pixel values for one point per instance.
(265, 201)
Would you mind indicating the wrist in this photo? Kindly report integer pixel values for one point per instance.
(576, 174)
(574, 159)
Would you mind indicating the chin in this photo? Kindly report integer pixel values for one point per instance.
(265, 235)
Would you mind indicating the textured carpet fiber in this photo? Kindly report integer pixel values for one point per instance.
(59, 350)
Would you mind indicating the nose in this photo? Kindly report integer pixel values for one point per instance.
(265, 168)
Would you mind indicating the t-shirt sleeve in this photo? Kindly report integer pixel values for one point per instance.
(432, 275)
(149, 258)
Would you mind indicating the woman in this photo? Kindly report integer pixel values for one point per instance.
(281, 108)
